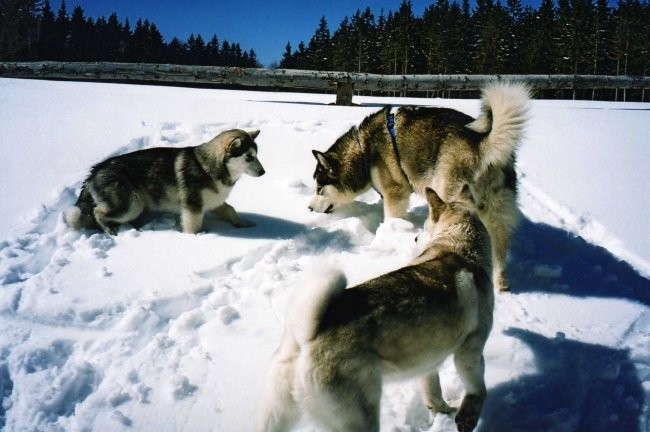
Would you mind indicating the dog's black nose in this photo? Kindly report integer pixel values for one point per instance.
(311, 209)
(262, 172)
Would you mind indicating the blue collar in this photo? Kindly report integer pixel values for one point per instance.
(390, 124)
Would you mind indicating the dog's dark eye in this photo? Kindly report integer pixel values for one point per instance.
(249, 158)
(319, 190)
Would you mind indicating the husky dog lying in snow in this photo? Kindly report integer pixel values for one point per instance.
(461, 158)
(190, 181)
(338, 343)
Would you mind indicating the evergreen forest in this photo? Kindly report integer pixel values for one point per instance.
(567, 37)
(489, 37)
(30, 30)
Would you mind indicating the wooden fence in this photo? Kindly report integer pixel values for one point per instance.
(344, 83)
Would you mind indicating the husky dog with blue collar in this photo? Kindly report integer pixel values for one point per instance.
(461, 158)
(339, 344)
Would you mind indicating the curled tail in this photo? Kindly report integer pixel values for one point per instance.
(504, 112)
(311, 301)
(81, 215)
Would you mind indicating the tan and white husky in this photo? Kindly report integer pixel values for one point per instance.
(340, 344)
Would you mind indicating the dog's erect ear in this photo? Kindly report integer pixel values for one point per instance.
(254, 134)
(235, 143)
(322, 160)
(235, 148)
(466, 195)
(436, 205)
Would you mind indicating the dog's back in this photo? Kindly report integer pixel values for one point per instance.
(148, 174)
(340, 343)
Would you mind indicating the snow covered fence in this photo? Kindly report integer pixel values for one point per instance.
(343, 82)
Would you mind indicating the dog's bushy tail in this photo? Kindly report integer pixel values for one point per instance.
(504, 112)
(311, 300)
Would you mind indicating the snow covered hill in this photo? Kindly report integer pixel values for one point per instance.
(156, 330)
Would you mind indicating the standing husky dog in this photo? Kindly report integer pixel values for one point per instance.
(190, 180)
(456, 155)
(338, 343)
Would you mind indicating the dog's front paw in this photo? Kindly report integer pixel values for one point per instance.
(243, 224)
(466, 423)
(442, 409)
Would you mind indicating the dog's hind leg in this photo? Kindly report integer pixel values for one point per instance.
(432, 394)
(350, 403)
(278, 410)
(470, 366)
(115, 209)
(500, 245)
(501, 218)
(501, 232)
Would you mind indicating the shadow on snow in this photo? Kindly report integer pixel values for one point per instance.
(548, 259)
(577, 387)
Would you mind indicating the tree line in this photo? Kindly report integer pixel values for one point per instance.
(570, 37)
(30, 30)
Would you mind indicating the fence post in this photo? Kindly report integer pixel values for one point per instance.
(344, 90)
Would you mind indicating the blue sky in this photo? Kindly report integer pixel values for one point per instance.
(263, 25)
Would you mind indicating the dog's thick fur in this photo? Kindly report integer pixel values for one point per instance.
(339, 344)
(461, 158)
(189, 181)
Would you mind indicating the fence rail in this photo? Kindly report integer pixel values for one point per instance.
(342, 82)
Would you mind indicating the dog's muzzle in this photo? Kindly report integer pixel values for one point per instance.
(321, 205)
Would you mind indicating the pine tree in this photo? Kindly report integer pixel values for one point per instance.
(363, 35)
(343, 46)
(176, 52)
(287, 58)
(197, 50)
(517, 37)
(213, 52)
(435, 28)
(377, 45)
(155, 44)
(319, 48)
(458, 54)
(113, 39)
(127, 42)
(601, 37)
(18, 29)
(492, 49)
(46, 42)
(226, 53)
(574, 36)
(78, 36)
(404, 38)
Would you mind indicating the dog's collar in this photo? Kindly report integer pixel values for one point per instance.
(390, 126)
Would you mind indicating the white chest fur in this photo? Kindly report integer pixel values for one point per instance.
(213, 199)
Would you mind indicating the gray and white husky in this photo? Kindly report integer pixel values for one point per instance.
(189, 181)
(460, 157)
(339, 344)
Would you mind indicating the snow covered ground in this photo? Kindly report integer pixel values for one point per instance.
(155, 330)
